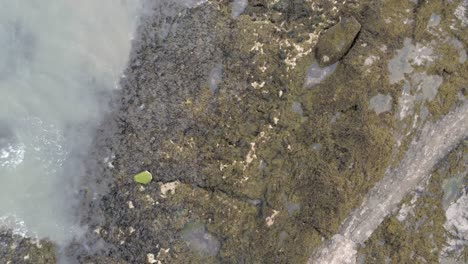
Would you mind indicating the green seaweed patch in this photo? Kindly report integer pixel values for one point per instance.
(143, 177)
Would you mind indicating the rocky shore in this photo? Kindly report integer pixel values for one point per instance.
(264, 124)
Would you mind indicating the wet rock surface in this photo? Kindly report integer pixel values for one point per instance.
(16, 249)
(249, 165)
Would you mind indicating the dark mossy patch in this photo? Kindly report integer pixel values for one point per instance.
(17, 249)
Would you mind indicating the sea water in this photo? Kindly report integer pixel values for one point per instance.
(59, 62)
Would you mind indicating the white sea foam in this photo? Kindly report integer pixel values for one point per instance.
(60, 61)
(11, 156)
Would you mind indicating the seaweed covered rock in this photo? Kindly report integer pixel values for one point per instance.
(265, 168)
(17, 249)
(336, 41)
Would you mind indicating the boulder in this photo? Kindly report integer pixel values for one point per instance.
(335, 42)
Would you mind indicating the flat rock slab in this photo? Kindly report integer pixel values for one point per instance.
(334, 43)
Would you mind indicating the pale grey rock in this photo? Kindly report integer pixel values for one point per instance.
(317, 74)
(434, 20)
(402, 63)
(453, 189)
(457, 226)
(198, 239)
(461, 50)
(297, 108)
(427, 85)
(238, 7)
(380, 103)
(216, 75)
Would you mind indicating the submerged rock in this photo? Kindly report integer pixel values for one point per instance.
(238, 7)
(297, 108)
(434, 20)
(381, 103)
(407, 57)
(427, 85)
(453, 189)
(198, 239)
(216, 75)
(336, 41)
(460, 48)
(317, 74)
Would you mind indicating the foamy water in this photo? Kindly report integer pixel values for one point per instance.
(59, 60)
